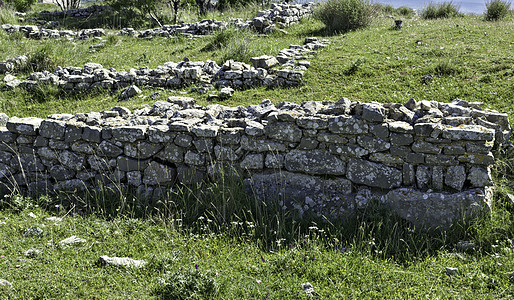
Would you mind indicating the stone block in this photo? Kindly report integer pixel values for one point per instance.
(314, 162)
(373, 174)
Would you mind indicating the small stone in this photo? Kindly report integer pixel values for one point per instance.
(226, 93)
(129, 92)
(6, 283)
(31, 253)
(33, 231)
(72, 240)
(54, 219)
(120, 261)
(452, 271)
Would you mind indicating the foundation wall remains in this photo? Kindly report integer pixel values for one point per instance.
(429, 162)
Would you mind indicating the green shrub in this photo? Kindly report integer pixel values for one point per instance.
(188, 284)
(21, 5)
(496, 10)
(345, 15)
(440, 10)
(405, 11)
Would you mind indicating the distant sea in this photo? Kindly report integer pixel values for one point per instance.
(468, 7)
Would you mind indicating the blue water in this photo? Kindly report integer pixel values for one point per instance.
(467, 7)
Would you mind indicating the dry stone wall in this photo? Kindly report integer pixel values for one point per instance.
(427, 161)
(286, 69)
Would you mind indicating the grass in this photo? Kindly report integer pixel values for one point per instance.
(214, 241)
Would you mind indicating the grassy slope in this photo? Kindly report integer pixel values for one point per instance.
(385, 258)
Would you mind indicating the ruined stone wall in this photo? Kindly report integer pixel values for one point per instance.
(428, 161)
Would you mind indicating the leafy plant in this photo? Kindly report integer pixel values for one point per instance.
(21, 5)
(496, 10)
(345, 15)
(188, 284)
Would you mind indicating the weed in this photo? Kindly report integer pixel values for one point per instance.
(440, 10)
(446, 68)
(221, 39)
(496, 10)
(345, 15)
(355, 66)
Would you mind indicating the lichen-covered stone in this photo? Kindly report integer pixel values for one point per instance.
(283, 131)
(26, 126)
(52, 129)
(373, 112)
(347, 125)
(127, 133)
(253, 162)
(480, 177)
(437, 210)
(469, 132)
(455, 177)
(373, 144)
(158, 174)
(172, 153)
(303, 192)
(314, 162)
(373, 174)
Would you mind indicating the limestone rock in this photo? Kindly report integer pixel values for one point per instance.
(373, 174)
(314, 162)
(437, 210)
(120, 261)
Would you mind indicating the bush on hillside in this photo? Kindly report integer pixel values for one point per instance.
(21, 5)
(345, 15)
(496, 10)
(440, 10)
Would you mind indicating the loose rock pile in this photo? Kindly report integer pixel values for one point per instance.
(427, 161)
(279, 15)
(237, 75)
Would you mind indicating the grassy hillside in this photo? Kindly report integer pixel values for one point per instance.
(213, 242)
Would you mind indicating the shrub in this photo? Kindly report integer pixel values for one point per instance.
(440, 10)
(188, 284)
(405, 11)
(345, 15)
(21, 5)
(496, 10)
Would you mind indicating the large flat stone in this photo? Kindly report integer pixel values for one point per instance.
(314, 162)
(373, 174)
(303, 192)
(437, 210)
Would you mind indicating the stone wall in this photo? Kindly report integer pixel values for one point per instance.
(286, 69)
(427, 161)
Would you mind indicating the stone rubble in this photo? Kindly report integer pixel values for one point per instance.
(236, 75)
(278, 16)
(427, 161)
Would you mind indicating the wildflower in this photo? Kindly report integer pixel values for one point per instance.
(314, 257)
(262, 258)
(259, 281)
(196, 266)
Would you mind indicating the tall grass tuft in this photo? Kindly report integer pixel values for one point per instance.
(440, 10)
(496, 10)
(238, 46)
(345, 15)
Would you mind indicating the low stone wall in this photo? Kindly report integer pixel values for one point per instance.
(427, 161)
(286, 69)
